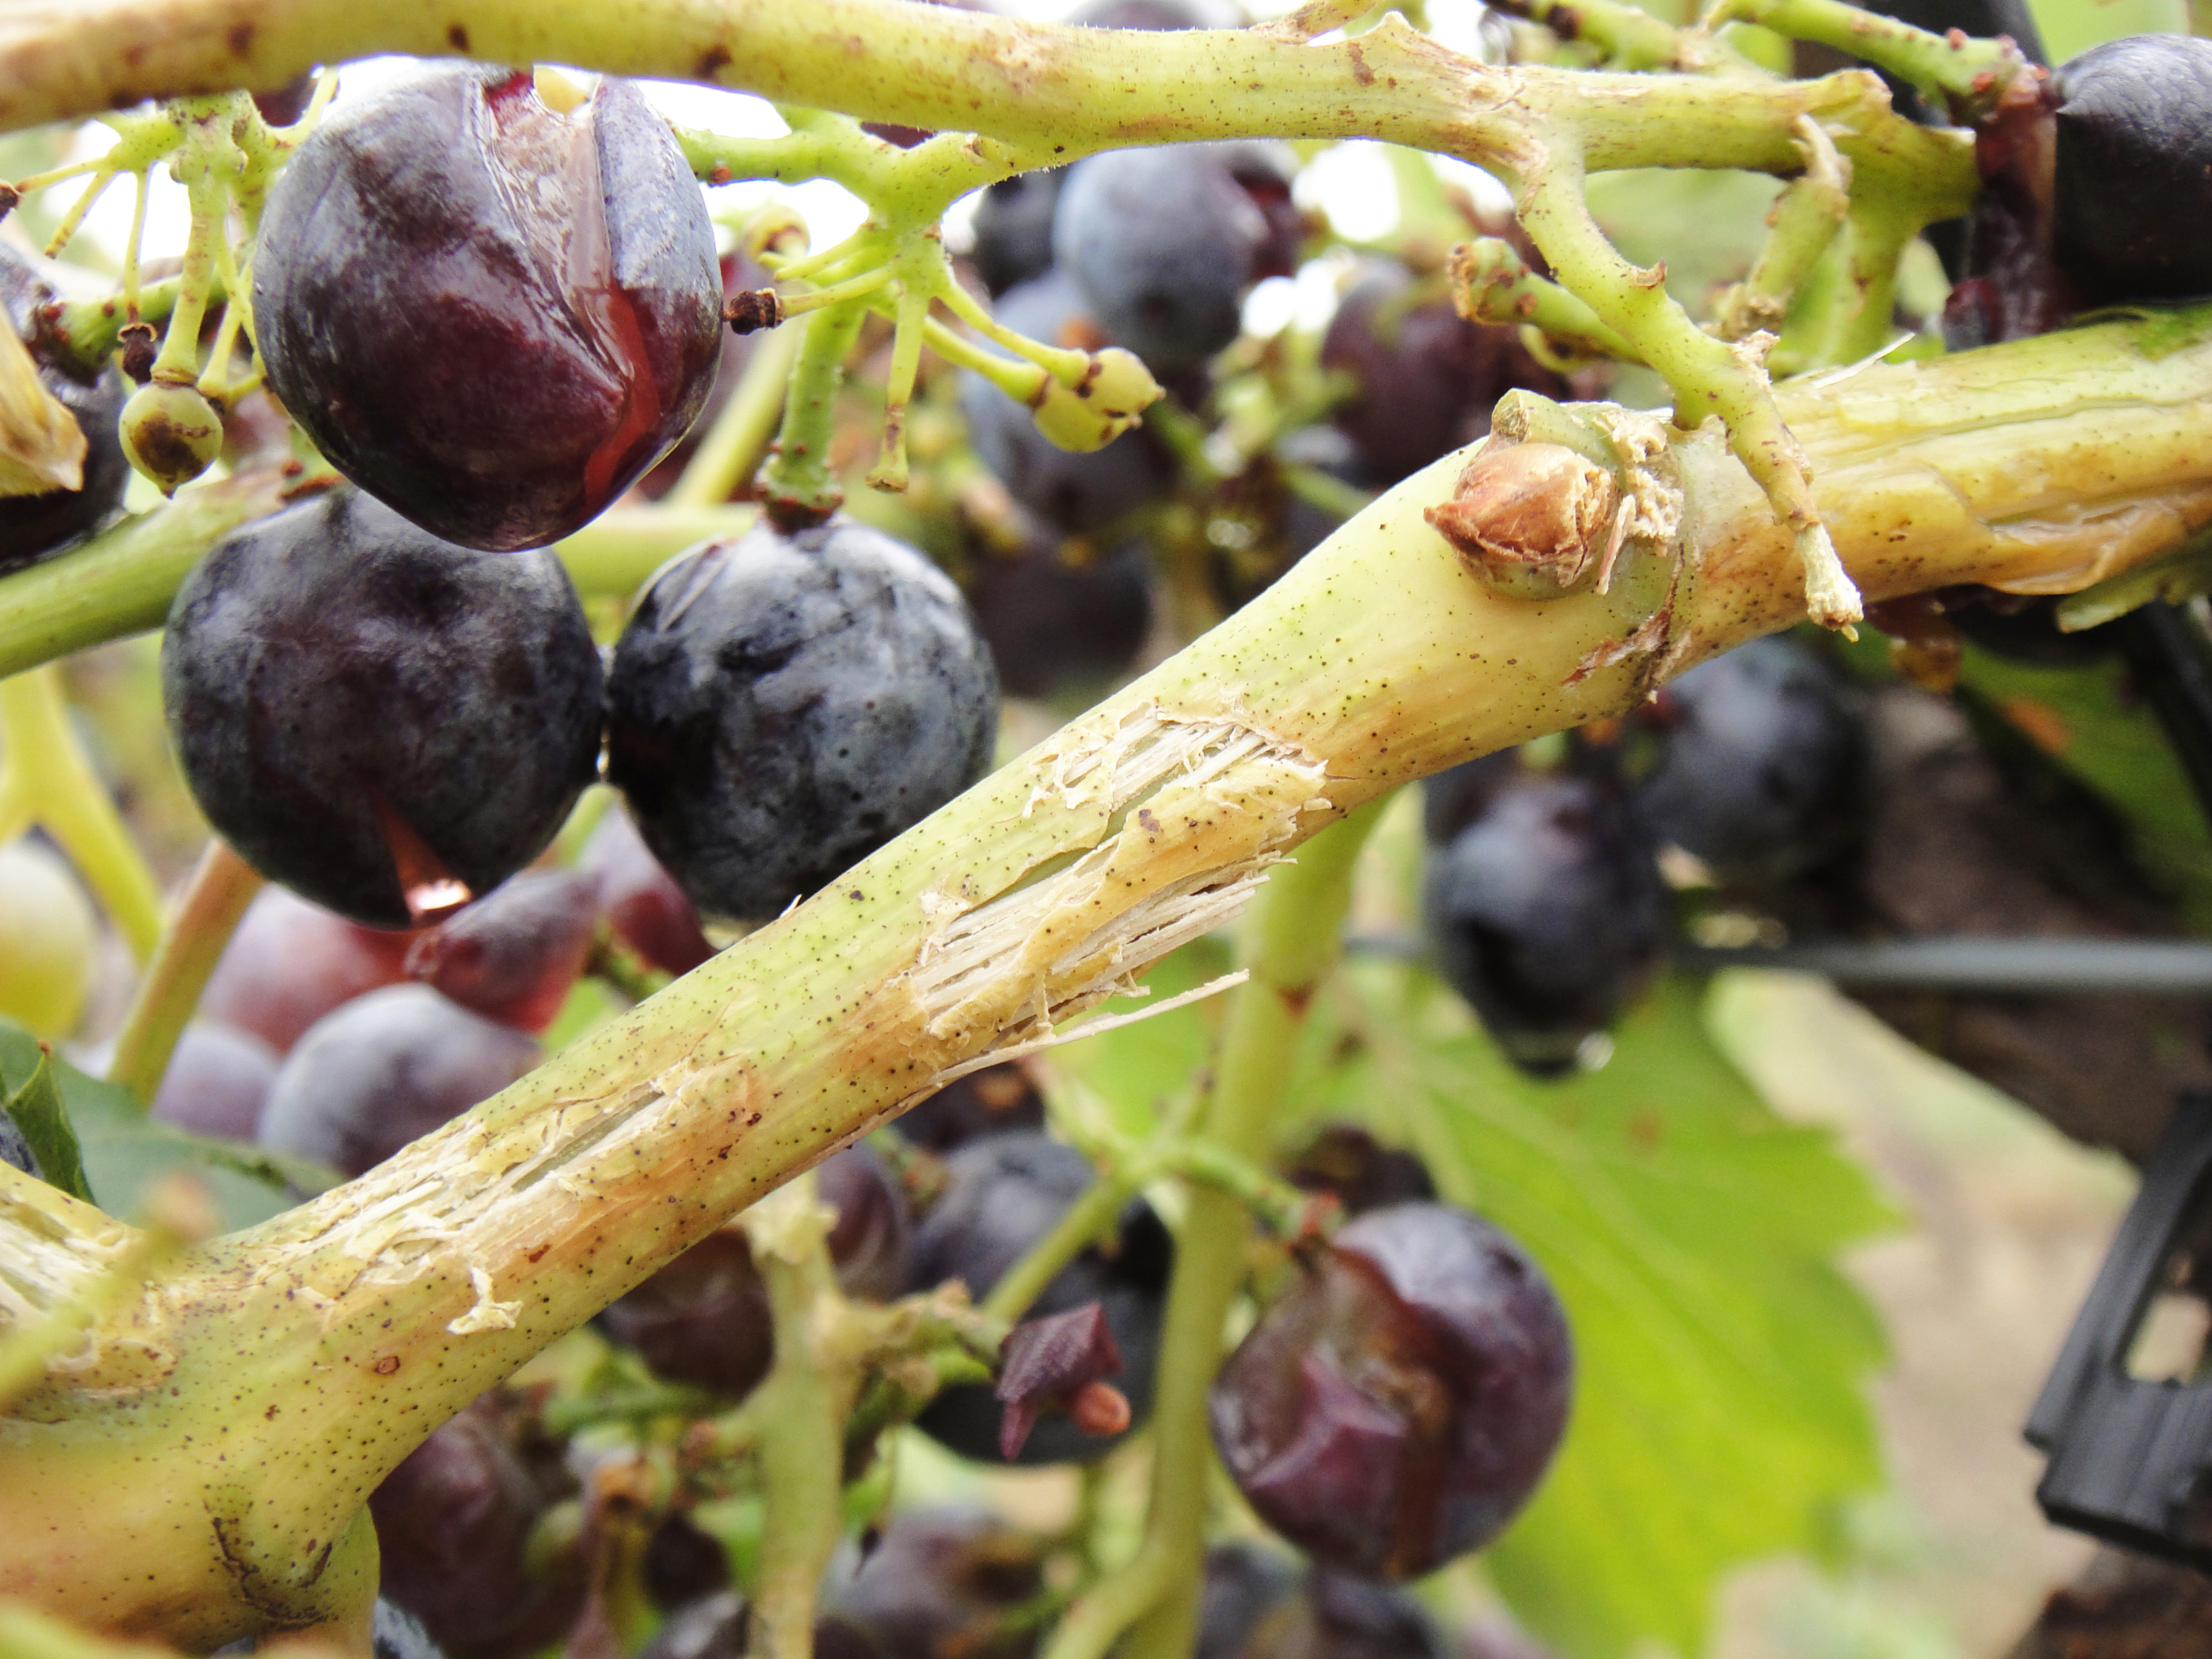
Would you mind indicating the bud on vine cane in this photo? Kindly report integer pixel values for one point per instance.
(1535, 521)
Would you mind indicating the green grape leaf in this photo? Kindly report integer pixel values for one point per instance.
(124, 1152)
(36, 1107)
(1720, 1413)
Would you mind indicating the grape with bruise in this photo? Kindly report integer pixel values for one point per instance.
(492, 315)
(386, 1069)
(1397, 1407)
(639, 899)
(781, 706)
(514, 955)
(1003, 1193)
(386, 723)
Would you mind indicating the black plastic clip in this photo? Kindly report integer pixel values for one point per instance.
(2131, 1458)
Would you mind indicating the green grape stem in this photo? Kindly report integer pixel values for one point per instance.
(46, 778)
(207, 913)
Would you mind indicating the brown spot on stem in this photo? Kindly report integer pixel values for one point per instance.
(240, 39)
(457, 37)
(712, 62)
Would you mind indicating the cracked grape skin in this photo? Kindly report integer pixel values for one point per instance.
(780, 706)
(494, 317)
(1396, 1408)
(34, 527)
(358, 705)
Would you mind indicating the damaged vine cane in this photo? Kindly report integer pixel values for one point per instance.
(233, 1417)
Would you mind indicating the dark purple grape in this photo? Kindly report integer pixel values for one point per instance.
(781, 706)
(684, 1563)
(453, 1525)
(2132, 204)
(217, 1080)
(281, 106)
(291, 962)
(514, 955)
(1546, 913)
(491, 315)
(704, 1318)
(640, 899)
(1077, 493)
(14, 1150)
(1061, 615)
(386, 723)
(1762, 771)
(1361, 1173)
(1014, 229)
(1164, 243)
(1397, 1406)
(34, 526)
(1002, 1194)
(1456, 797)
(992, 1101)
(869, 1241)
(1242, 1583)
(941, 1583)
(1424, 377)
(386, 1069)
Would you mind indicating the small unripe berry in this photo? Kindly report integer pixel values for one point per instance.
(171, 433)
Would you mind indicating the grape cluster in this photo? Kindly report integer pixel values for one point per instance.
(319, 1036)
